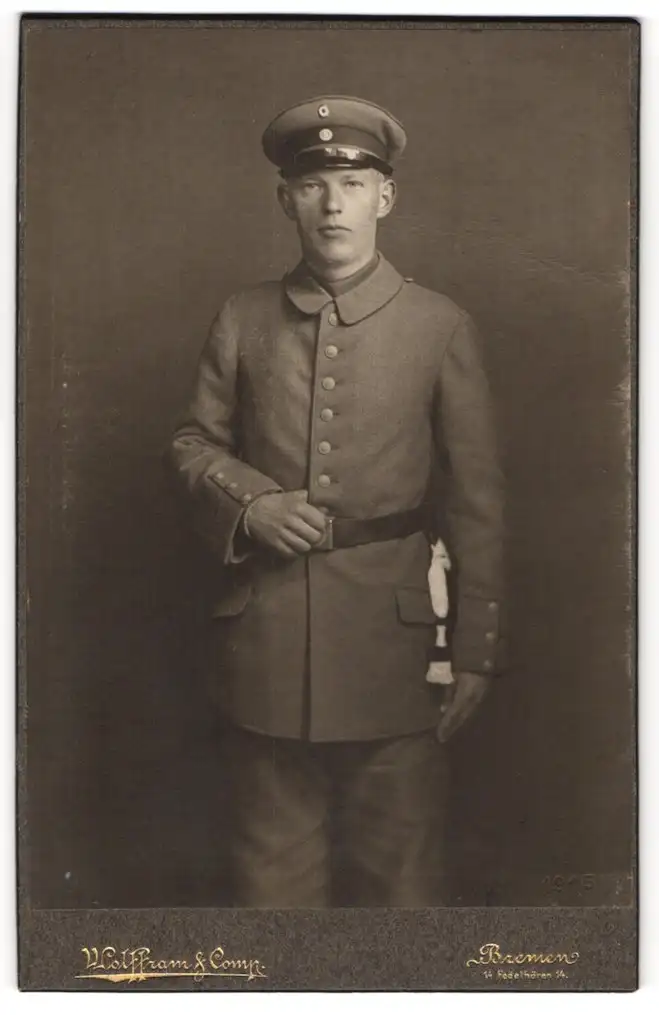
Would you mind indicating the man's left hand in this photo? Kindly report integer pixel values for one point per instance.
(462, 699)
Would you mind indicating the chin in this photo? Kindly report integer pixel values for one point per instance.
(335, 252)
(337, 243)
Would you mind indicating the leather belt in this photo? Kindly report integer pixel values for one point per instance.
(344, 532)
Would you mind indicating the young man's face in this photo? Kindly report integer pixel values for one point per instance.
(336, 212)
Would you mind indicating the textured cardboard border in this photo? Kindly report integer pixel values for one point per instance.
(342, 949)
(338, 949)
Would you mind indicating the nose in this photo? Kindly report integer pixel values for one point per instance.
(333, 199)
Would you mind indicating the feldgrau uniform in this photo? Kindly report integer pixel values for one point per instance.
(373, 397)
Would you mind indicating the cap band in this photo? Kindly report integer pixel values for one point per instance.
(333, 157)
(349, 137)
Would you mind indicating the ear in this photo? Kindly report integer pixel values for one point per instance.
(387, 197)
(284, 198)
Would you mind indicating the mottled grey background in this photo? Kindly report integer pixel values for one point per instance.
(146, 202)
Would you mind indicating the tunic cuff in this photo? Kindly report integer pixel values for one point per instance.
(229, 491)
(477, 642)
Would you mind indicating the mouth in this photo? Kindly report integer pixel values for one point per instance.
(332, 230)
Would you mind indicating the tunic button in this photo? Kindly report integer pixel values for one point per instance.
(246, 498)
(487, 664)
(492, 606)
(333, 319)
(328, 383)
(324, 480)
(331, 352)
(490, 636)
(326, 415)
(324, 447)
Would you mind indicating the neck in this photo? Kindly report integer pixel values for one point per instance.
(340, 272)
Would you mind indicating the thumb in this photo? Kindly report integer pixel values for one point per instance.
(300, 495)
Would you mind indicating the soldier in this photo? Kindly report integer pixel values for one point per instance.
(337, 416)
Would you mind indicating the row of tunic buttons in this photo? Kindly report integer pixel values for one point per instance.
(326, 414)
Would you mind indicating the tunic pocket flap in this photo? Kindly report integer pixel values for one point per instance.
(233, 601)
(415, 606)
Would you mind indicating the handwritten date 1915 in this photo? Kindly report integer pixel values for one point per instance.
(559, 882)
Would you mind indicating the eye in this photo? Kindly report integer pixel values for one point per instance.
(354, 183)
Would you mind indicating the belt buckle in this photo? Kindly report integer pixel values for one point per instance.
(327, 542)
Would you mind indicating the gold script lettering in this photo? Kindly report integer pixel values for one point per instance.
(91, 955)
(490, 954)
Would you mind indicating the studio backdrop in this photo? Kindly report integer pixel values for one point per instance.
(146, 201)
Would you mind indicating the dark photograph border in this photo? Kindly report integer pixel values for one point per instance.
(145, 202)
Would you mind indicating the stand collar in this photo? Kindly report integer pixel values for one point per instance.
(364, 299)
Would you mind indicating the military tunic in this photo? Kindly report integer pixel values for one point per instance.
(360, 399)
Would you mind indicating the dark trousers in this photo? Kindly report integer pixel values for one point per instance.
(326, 824)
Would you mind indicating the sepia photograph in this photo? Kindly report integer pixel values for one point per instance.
(327, 445)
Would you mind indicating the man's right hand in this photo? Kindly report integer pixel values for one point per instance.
(285, 522)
